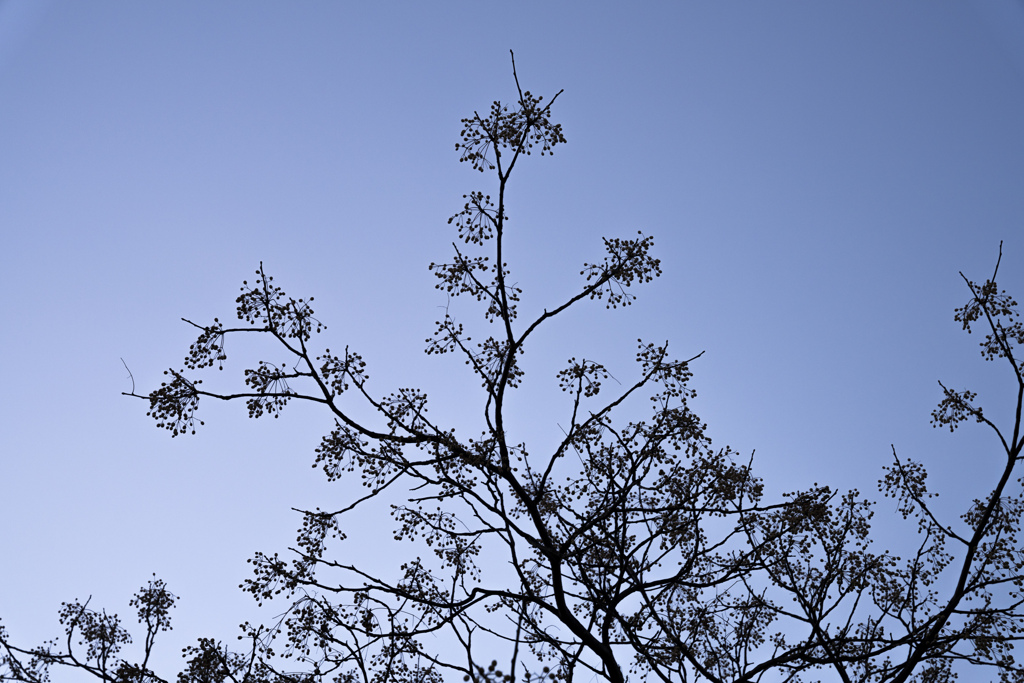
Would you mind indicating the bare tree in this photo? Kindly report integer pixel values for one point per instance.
(630, 550)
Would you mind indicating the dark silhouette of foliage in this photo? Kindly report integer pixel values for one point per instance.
(631, 550)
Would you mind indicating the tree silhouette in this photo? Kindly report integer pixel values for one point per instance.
(631, 550)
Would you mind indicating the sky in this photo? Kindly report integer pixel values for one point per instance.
(815, 176)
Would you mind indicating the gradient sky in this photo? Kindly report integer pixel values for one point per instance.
(815, 176)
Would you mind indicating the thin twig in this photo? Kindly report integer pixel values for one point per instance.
(130, 375)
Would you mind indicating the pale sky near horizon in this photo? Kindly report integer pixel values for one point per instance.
(815, 176)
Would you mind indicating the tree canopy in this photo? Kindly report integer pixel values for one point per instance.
(634, 549)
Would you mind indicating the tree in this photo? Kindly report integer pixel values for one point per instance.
(631, 550)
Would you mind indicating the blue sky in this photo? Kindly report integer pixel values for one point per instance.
(814, 174)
